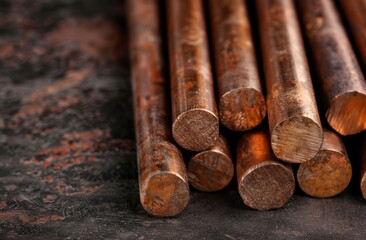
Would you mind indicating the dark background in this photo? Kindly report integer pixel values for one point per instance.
(67, 153)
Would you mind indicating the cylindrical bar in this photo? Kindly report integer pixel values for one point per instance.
(212, 169)
(164, 189)
(241, 102)
(195, 118)
(329, 172)
(355, 11)
(264, 182)
(339, 75)
(296, 132)
(362, 164)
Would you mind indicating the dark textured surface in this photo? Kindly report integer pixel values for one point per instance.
(67, 155)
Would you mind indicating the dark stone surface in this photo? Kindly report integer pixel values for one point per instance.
(67, 155)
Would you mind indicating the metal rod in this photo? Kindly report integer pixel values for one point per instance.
(164, 189)
(296, 132)
(340, 79)
(195, 117)
(212, 169)
(241, 102)
(329, 172)
(264, 182)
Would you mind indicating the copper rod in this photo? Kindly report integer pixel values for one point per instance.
(296, 132)
(241, 101)
(195, 118)
(212, 169)
(340, 79)
(329, 172)
(354, 12)
(264, 182)
(164, 189)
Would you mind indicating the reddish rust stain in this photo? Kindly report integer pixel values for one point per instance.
(22, 216)
(71, 154)
(11, 187)
(60, 165)
(45, 219)
(72, 79)
(14, 214)
(49, 198)
(61, 188)
(78, 160)
(43, 107)
(48, 179)
(66, 190)
(99, 38)
(87, 135)
(88, 190)
(45, 164)
(76, 148)
(6, 50)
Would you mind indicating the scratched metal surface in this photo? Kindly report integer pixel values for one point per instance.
(67, 155)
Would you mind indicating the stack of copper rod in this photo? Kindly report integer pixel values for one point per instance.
(288, 79)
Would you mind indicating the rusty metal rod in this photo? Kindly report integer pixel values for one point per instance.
(195, 117)
(241, 102)
(354, 12)
(296, 132)
(264, 182)
(329, 172)
(340, 79)
(212, 169)
(164, 189)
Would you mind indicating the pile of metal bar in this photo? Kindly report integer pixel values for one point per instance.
(268, 87)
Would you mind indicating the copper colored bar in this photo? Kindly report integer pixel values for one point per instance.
(340, 79)
(241, 102)
(355, 11)
(296, 132)
(362, 156)
(195, 118)
(329, 172)
(164, 189)
(212, 169)
(264, 182)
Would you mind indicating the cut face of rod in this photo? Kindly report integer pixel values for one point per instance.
(195, 118)
(296, 132)
(163, 181)
(212, 169)
(354, 12)
(242, 104)
(264, 182)
(339, 75)
(329, 172)
(164, 189)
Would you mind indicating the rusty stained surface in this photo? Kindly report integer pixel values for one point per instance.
(295, 128)
(343, 87)
(194, 110)
(241, 101)
(213, 169)
(64, 108)
(354, 12)
(329, 172)
(264, 182)
(164, 189)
